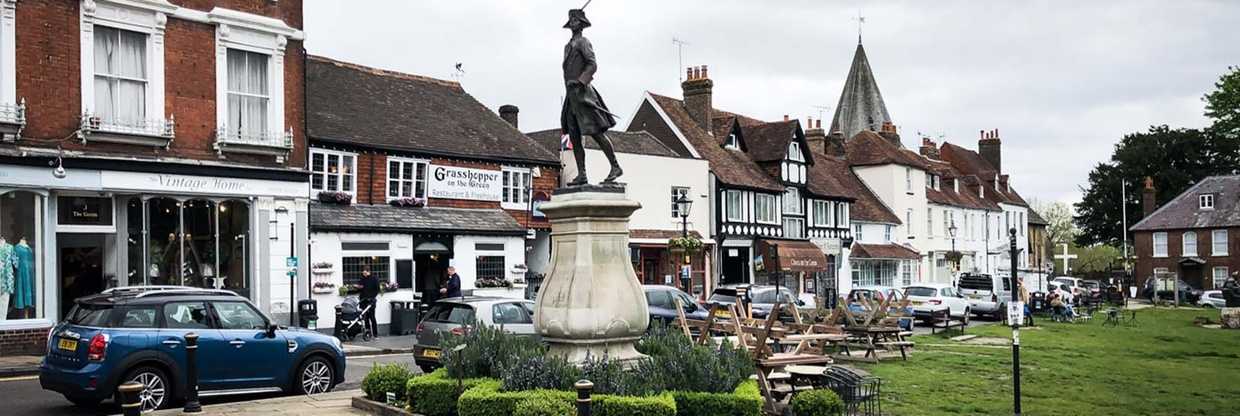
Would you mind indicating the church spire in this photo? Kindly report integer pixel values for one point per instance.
(861, 105)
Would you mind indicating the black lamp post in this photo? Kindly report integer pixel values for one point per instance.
(683, 205)
(951, 232)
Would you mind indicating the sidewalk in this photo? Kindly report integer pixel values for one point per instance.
(19, 365)
(333, 403)
(385, 344)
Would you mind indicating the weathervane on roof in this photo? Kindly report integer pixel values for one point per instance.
(860, 21)
(460, 71)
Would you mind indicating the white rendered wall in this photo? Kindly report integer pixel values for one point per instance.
(649, 180)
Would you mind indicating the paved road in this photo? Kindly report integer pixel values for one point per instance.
(23, 396)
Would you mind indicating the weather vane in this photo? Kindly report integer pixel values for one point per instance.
(860, 21)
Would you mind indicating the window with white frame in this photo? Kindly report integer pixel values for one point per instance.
(764, 208)
(792, 201)
(1219, 243)
(678, 192)
(908, 179)
(1220, 277)
(906, 271)
(887, 233)
(732, 201)
(1205, 201)
(731, 142)
(794, 227)
(516, 188)
(908, 221)
(406, 178)
(332, 171)
(857, 232)
(794, 152)
(1160, 244)
(929, 222)
(120, 76)
(248, 94)
(1189, 244)
(822, 213)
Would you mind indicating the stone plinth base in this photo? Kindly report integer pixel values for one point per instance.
(1230, 318)
(591, 303)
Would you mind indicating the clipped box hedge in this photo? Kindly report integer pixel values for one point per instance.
(745, 401)
(436, 394)
(485, 399)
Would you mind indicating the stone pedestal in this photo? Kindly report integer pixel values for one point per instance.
(1230, 318)
(591, 303)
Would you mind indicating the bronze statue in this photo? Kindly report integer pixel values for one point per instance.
(584, 112)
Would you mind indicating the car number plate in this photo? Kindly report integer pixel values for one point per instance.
(429, 353)
(67, 344)
(722, 314)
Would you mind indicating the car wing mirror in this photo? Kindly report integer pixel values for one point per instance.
(271, 330)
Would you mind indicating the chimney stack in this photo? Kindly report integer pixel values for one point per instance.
(928, 148)
(835, 144)
(1147, 198)
(508, 112)
(988, 146)
(697, 91)
(815, 137)
(888, 131)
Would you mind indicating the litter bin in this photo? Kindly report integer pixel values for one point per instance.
(308, 313)
(404, 317)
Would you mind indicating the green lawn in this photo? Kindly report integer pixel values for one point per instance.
(1162, 365)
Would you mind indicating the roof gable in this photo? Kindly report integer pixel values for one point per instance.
(731, 167)
(769, 142)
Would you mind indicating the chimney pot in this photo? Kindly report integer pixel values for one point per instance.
(981, 134)
(819, 125)
(688, 73)
(1148, 198)
(697, 97)
(509, 112)
(704, 72)
(785, 117)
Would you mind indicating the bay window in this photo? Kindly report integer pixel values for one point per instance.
(406, 178)
(822, 213)
(792, 201)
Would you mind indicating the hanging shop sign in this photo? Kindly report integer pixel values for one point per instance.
(83, 210)
(451, 182)
(205, 185)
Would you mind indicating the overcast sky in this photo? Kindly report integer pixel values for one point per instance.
(1062, 81)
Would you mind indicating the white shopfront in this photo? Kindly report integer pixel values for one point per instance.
(95, 229)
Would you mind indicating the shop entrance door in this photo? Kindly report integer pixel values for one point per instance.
(735, 265)
(650, 271)
(82, 266)
(429, 271)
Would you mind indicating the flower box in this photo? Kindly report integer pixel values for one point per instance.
(339, 198)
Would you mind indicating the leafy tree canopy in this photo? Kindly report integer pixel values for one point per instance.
(1223, 105)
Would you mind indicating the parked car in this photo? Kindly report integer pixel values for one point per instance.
(661, 300)
(1212, 299)
(455, 316)
(927, 298)
(876, 294)
(138, 334)
(1167, 292)
(987, 294)
(762, 298)
(1075, 285)
(1093, 287)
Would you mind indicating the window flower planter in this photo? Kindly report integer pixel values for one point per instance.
(339, 198)
(408, 202)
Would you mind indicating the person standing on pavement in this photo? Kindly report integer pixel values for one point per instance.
(368, 295)
(452, 287)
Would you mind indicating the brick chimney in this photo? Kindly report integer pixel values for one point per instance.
(988, 147)
(815, 137)
(1147, 198)
(508, 112)
(697, 91)
(835, 144)
(888, 131)
(928, 148)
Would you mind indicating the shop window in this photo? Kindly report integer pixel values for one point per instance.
(490, 267)
(164, 255)
(21, 222)
(135, 224)
(234, 228)
(353, 267)
(200, 243)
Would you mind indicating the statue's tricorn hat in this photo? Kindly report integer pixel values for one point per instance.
(577, 16)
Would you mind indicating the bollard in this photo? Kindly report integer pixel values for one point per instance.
(131, 403)
(583, 397)
(191, 374)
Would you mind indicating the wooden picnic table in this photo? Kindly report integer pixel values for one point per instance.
(872, 337)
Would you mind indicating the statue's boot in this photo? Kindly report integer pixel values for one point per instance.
(615, 173)
(580, 180)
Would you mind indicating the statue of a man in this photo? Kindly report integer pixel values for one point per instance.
(584, 112)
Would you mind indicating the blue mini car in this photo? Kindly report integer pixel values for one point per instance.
(138, 334)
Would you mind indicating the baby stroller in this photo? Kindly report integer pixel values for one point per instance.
(350, 320)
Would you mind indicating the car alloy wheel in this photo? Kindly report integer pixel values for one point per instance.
(154, 390)
(316, 377)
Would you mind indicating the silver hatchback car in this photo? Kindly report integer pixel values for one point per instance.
(448, 317)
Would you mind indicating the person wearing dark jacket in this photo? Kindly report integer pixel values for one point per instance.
(369, 292)
(451, 288)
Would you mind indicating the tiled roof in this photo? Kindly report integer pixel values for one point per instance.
(732, 167)
(661, 234)
(868, 148)
(830, 177)
(768, 142)
(861, 106)
(1184, 212)
(883, 251)
(1035, 218)
(641, 143)
(947, 195)
(388, 218)
(970, 163)
(357, 105)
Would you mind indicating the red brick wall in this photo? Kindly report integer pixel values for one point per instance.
(1143, 245)
(23, 342)
(49, 78)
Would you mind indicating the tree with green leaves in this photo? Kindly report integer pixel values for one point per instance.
(1174, 158)
(1061, 226)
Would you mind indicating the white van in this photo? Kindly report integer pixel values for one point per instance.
(987, 295)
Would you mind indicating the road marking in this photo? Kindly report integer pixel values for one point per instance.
(19, 378)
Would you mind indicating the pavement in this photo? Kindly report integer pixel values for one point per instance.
(337, 402)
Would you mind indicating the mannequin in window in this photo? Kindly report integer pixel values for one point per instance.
(24, 287)
(8, 265)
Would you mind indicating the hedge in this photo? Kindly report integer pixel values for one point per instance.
(745, 401)
(435, 394)
(816, 403)
(544, 405)
(485, 399)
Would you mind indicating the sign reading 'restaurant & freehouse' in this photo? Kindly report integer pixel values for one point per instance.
(451, 182)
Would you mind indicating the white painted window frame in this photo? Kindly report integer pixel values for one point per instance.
(1216, 242)
(733, 212)
(676, 193)
(240, 31)
(149, 17)
(417, 163)
(1154, 241)
(1185, 250)
(773, 209)
(1205, 201)
(1218, 279)
(310, 165)
(528, 194)
(8, 54)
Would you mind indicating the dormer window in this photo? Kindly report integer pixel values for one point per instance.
(794, 152)
(1205, 201)
(731, 142)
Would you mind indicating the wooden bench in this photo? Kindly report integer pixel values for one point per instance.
(943, 320)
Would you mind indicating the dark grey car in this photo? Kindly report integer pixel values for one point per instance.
(449, 317)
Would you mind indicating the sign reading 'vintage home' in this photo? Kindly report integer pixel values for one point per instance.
(450, 182)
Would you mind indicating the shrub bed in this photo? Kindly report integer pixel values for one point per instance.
(745, 401)
(816, 403)
(544, 405)
(386, 378)
(486, 399)
(436, 394)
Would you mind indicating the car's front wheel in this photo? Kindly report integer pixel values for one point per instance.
(315, 376)
(156, 390)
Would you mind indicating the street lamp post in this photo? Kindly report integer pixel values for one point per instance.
(683, 205)
(951, 231)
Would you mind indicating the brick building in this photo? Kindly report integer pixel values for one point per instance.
(148, 142)
(411, 175)
(1195, 236)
